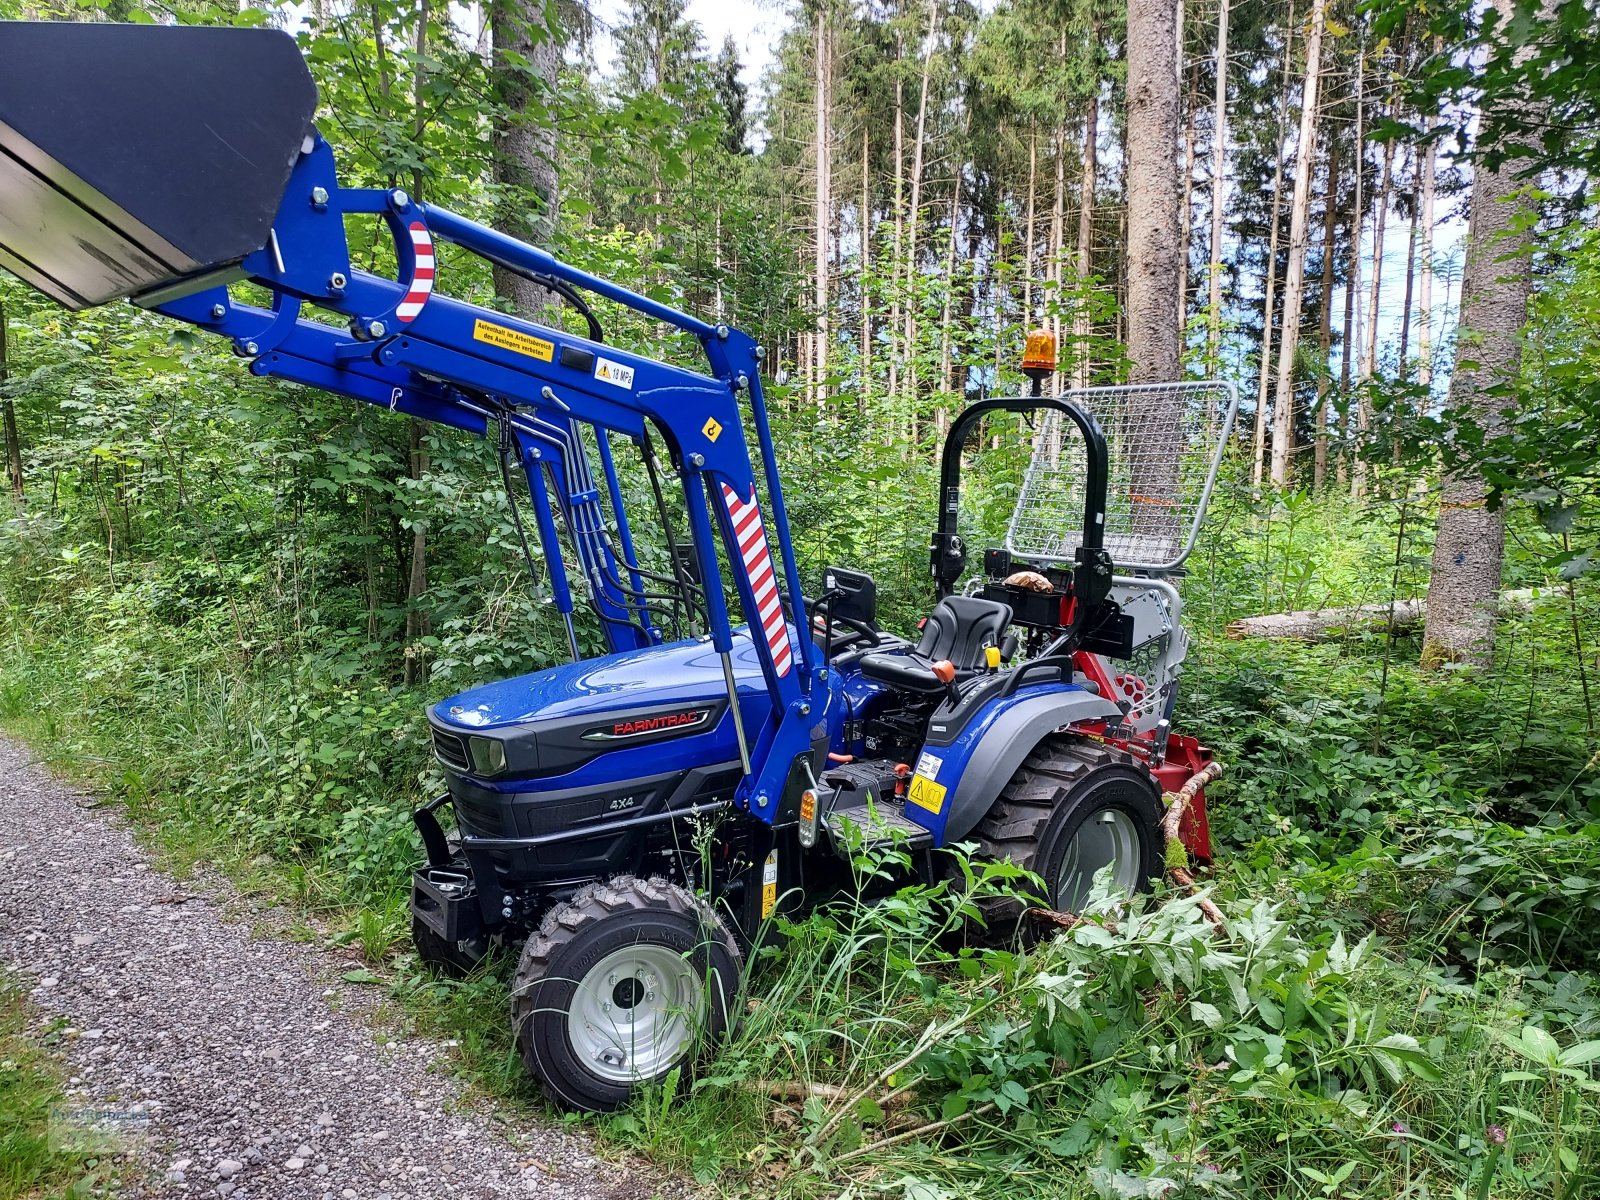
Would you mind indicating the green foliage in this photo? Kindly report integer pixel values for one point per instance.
(40, 1157)
(1138, 1054)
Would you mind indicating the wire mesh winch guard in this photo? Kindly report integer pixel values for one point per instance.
(1165, 442)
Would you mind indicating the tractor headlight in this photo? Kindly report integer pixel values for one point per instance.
(488, 755)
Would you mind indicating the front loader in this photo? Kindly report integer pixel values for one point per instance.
(630, 821)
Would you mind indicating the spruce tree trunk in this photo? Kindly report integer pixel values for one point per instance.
(865, 221)
(1028, 226)
(1294, 271)
(1411, 279)
(417, 584)
(1330, 203)
(525, 140)
(896, 350)
(1352, 281)
(1425, 265)
(1152, 190)
(1258, 467)
(823, 139)
(1219, 147)
(1369, 361)
(1085, 257)
(918, 158)
(1186, 204)
(1464, 583)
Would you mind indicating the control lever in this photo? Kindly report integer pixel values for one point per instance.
(945, 672)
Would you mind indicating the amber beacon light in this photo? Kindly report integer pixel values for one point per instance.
(1039, 357)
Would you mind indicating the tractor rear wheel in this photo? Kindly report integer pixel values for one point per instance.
(1074, 808)
(621, 984)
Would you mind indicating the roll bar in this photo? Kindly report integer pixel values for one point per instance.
(948, 549)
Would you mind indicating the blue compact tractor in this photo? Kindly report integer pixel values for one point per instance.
(630, 820)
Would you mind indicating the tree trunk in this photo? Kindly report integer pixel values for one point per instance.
(1028, 226)
(1330, 204)
(1495, 282)
(822, 138)
(1369, 360)
(865, 222)
(918, 157)
(1085, 258)
(1219, 146)
(8, 417)
(1186, 205)
(417, 582)
(1317, 625)
(1379, 219)
(1054, 272)
(1352, 282)
(1258, 468)
(896, 350)
(525, 140)
(419, 114)
(1294, 271)
(1152, 190)
(1411, 280)
(1425, 265)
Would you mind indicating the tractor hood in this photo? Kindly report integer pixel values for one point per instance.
(553, 721)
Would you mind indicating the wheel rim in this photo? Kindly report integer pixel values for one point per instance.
(635, 1014)
(1106, 838)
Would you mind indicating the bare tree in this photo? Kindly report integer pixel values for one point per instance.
(1464, 584)
(1294, 271)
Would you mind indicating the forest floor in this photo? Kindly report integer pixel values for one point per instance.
(222, 1055)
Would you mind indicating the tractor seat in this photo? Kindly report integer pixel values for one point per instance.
(957, 629)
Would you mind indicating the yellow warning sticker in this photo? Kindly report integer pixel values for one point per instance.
(513, 340)
(925, 793)
(712, 429)
(769, 885)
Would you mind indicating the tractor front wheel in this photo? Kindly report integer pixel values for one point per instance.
(626, 981)
(1073, 809)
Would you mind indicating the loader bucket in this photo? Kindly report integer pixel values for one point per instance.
(133, 157)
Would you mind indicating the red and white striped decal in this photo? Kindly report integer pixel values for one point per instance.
(752, 538)
(422, 277)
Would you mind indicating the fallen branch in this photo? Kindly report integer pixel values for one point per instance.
(1177, 804)
(1065, 920)
(791, 1089)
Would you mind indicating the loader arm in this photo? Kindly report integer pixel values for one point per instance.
(195, 190)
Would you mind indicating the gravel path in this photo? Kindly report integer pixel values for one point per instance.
(243, 1064)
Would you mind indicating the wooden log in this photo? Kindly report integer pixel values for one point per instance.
(1322, 624)
(1316, 625)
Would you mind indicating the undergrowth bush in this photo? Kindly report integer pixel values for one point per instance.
(1137, 1054)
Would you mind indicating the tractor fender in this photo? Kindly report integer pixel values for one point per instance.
(968, 767)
